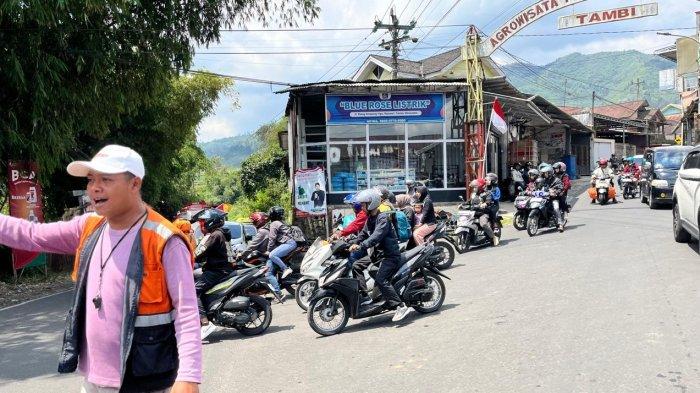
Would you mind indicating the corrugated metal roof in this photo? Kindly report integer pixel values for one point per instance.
(395, 82)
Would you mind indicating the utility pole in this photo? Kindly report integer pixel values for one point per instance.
(593, 117)
(474, 135)
(394, 28)
(639, 82)
(697, 116)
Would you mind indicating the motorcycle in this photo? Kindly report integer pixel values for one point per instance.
(228, 305)
(541, 213)
(338, 297)
(629, 186)
(469, 232)
(603, 191)
(292, 260)
(311, 268)
(522, 210)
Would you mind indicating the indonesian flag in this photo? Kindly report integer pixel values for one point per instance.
(498, 117)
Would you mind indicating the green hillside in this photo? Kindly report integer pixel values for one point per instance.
(232, 150)
(570, 80)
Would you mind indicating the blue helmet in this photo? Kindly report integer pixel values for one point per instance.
(350, 200)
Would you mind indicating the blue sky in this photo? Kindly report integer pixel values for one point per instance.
(257, 104)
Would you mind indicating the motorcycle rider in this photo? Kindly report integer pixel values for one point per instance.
(428, 221)
(212, 255)
(602, 172)
(492, 185)
(403, 203)
(533, 175)
(387, 199)
(357, 224)
(560, 172)
(516, 175)
(261, 238)
(380, 233)
(280, 244)
(483, 199)
(555, 187)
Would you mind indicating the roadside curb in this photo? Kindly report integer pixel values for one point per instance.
(34, 300)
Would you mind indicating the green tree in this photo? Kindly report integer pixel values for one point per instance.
(81, 68)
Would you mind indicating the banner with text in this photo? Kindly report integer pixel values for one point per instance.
(385, 108)
(606, 16)
(310, 192)
(25, 202)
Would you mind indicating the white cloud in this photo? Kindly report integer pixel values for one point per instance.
(215, 127)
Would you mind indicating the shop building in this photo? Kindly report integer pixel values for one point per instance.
(379, 131)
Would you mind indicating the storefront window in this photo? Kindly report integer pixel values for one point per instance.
(388, 166)
(425, 163)
(347, 167)
(348, 132)
(455, 164)
(386, 132)
(424, 131)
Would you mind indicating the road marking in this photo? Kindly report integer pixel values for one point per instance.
(33, 300)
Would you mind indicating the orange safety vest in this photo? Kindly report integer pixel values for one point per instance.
(155, 233)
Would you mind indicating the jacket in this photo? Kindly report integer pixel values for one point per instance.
(379, 232)
(428, 208)
(566, 182)
(600, 173)
(214, 255)
(259, 241)
(279, 234)
(554, 185)
(356, 225)
(149, 358)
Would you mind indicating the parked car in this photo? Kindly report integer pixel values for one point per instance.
(238, 241)
(686, 199)
(661, 171)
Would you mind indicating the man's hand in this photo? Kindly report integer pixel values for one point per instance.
(335, 236)
(185, 387)
(354, 247)
(482, 205)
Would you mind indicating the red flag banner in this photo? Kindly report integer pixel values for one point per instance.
(25, 202)
(498, 117)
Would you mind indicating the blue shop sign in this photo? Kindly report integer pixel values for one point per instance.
(387, 108)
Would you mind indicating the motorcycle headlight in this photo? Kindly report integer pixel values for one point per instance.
(659, 183)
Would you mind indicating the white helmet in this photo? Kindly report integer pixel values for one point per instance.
(371, 197)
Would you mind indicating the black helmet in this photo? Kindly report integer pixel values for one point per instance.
(276, 213)
(213, 219)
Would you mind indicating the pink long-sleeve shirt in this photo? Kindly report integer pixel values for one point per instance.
(100, 352)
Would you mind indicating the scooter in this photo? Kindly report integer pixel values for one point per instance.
(603, 191)
(469, 232)
(541, 213)
(311, 269)
(227, 305)
(522, 210)
(339, 298)
(292, 260)
(629, 186)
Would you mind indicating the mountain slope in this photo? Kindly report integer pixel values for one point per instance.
(232, 150)
(571, 80)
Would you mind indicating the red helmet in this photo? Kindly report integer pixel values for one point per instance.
(603, 162)
(480, 184)
(258, 219)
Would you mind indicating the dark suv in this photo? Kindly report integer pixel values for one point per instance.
(661, 170)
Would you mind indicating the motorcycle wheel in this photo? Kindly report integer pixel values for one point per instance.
(435, 283)
(304, 291)
(463, 242)
(448, 254)
(533, 225)
(321, 319)
(289, 288)
(263, 320)
(520, 221)
(602, 200)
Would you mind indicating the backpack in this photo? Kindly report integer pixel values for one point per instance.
(403, 227)
(297, 234)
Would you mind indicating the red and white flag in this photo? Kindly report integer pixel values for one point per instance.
(498, 117)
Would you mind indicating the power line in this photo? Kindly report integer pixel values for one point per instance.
(312, 52)
(603, 32)
(437, 24)
(241, 78)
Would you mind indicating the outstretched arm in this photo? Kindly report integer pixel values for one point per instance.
(60, 237)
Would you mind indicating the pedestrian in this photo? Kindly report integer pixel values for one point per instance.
(133, 325)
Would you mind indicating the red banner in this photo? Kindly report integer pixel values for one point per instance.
(25, 202)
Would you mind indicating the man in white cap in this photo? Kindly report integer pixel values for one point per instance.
(133, 324)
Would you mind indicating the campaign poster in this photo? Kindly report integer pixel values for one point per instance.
(385, 108)
(310, 192)
(25, 202)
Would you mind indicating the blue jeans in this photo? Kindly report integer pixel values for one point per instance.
(275, 260)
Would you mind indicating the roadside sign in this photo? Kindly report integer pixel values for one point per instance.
(611, 15)
(679, 139)
(521, 20)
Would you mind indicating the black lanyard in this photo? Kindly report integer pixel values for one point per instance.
(97, 300)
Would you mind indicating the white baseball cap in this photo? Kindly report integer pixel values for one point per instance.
(112, 159)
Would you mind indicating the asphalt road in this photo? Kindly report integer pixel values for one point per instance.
(611, 305)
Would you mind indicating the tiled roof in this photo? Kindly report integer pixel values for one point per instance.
(624, 110)
(571, 110)
(430, 64)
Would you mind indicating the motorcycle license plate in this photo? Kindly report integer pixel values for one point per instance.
(602, 191)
